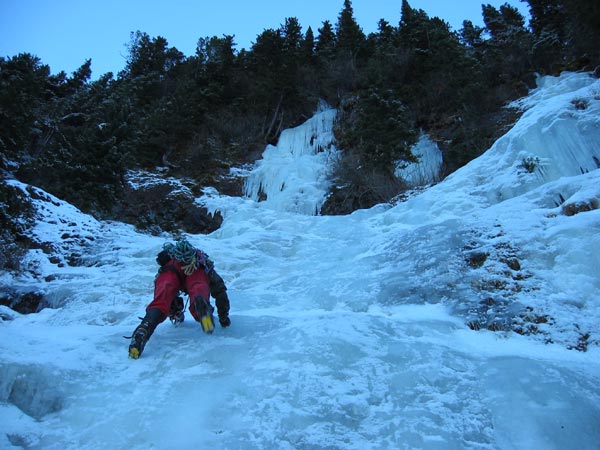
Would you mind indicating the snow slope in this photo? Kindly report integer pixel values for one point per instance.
(348, 332)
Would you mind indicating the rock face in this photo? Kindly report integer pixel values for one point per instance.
(21, 302)
(155, 203)
(573, 208)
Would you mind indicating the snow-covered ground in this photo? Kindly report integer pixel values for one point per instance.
(349, 332)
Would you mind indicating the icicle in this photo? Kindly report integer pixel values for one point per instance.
(294, 174)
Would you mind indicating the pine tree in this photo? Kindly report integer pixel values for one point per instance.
(24, 97)
(384, 66)
(349, 35)
(507, 52)
(565, 31)
(503, 25)
(326, 40)
(470, 35)
(217, 56)
(292, 35)
(414, 29)
(548, 16)
(386, 34)
(584, 31)
(307, 46)
(80, 77)
(147, 55)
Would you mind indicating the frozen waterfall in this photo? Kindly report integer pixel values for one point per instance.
(294, 174)
(427, 169)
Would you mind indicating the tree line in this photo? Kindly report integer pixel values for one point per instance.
(204, 113)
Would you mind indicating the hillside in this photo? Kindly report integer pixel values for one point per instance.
(199, 118)
(464, 316)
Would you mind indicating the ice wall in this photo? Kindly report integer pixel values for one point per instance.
(557, 136)
(427, 169)
(294, 174)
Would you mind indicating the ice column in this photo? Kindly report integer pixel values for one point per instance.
(294, 174)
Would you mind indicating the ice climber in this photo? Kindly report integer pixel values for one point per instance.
(182, 268)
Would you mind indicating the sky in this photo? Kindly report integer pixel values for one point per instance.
(64, 33)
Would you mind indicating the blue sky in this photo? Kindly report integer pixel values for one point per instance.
(64, 33)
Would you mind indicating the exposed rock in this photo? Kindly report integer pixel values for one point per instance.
(158, 204)
(476, 259)
(582, 343)
(25, 303)
(570, 209)
(513, 263)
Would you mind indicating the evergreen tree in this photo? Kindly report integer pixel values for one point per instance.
(503, 25)
(24, 97)
(436, 64)
(217, 59)
(414, 29)
(307, 46)
(566, 31)
(309, 79)
(507, 52)
(297, 73)
(548, 19)
(382, 130)
(270, 87)
(549, 16)
(80, 77)
(291, 32)
(349, 35)
(386, 34)
(583, 27)
(325, 45)
(292, 35)
(343, 69)
(76, 138)
(470, 35)
(324, 55)
(385, 64)
(148, 55)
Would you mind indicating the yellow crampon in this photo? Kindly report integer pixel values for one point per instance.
(207, 323)
(134, 353)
